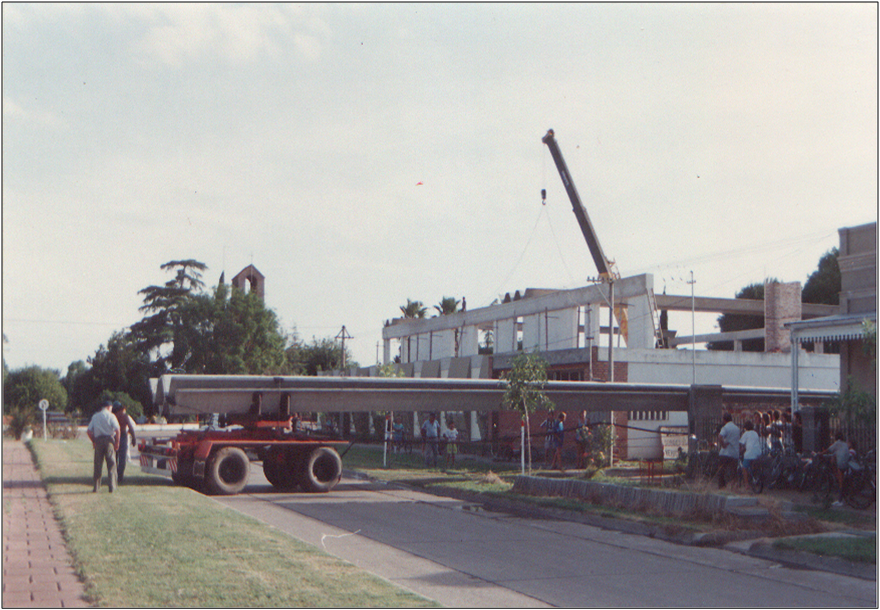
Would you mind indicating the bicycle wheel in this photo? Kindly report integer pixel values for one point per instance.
(860, 491)
(773, 472)
(756, 477)
(824, 486)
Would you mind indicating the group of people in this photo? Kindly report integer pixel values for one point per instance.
(770, 432)
(111, 431)
(432, 437)
(554, 438)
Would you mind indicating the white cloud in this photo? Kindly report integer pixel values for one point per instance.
(179, 34)
(20, 114)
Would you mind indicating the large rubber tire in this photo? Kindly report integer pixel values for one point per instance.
(227, 472)
(280, 468)
(321, 471)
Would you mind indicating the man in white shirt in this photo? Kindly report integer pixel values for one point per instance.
(431, 434)
(728, 452)
(104, 433)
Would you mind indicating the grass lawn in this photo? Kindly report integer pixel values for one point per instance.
(151, 544)
(853, 548)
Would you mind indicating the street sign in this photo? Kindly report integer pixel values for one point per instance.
(43, 404)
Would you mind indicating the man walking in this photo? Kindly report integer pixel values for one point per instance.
(126, 428)
(104, 433)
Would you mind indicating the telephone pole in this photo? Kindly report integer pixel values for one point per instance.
(343, 335)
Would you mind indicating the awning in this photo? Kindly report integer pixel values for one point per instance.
(844, 327)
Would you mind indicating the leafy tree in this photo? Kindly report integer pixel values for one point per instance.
(731, 322)
(22, 391)
(25, 387)
(524, 389)
(413, 309)
(230, 332)
(119, 367)
(321, 355)
(488, 345)
(165, 307)
(823, 285)
(447, 306)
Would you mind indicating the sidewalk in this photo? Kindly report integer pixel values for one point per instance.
(37, 570)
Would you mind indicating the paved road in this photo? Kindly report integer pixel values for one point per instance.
(463, 556)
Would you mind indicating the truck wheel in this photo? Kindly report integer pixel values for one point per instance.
(278, 471)
(321, 471)
(228, 471)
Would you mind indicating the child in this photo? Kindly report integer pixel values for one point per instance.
(451, 436)
(397, 436)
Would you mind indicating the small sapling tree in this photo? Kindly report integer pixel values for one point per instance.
(524, 390)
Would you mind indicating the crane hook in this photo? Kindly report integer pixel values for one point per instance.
(543, 196)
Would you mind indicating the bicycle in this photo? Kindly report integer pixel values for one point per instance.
(859, 482)
(861, 489)
(755, 474)
(783, 469)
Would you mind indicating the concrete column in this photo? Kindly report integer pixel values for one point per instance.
(782, 304)
(641, 324)
(817, 436)
(704, 408)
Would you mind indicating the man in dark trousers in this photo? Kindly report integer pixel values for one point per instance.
(126, 429)
(104, 433)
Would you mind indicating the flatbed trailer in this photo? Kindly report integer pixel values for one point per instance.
(217, 459)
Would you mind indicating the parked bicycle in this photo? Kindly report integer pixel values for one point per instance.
(783, 470)
(862, 491)
(859, 481)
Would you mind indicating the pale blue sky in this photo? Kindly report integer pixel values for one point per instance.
(731, 140)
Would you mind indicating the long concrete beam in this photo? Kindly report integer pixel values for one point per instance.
(625, 288)
(741, 306)
(200, 394)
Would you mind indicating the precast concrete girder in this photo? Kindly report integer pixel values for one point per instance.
(198, 394)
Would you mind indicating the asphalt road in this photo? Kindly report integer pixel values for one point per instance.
(463, 556)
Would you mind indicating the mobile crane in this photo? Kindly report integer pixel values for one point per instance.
(603, 264)
(607, 271)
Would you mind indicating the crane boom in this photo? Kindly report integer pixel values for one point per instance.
(603, 265)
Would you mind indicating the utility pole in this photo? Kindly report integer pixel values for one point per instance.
(343, 335)
(693, 334)
(611, 328)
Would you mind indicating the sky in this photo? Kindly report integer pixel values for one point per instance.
(360, 155)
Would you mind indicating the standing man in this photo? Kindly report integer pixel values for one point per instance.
(104, 433)
(728, 453)
(431, 434)
(126, 430)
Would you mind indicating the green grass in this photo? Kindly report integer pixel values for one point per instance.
(851, 518)
(862, 549)
(151, 544)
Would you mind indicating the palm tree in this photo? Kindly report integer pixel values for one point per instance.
(413, 309)
(447, 305)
